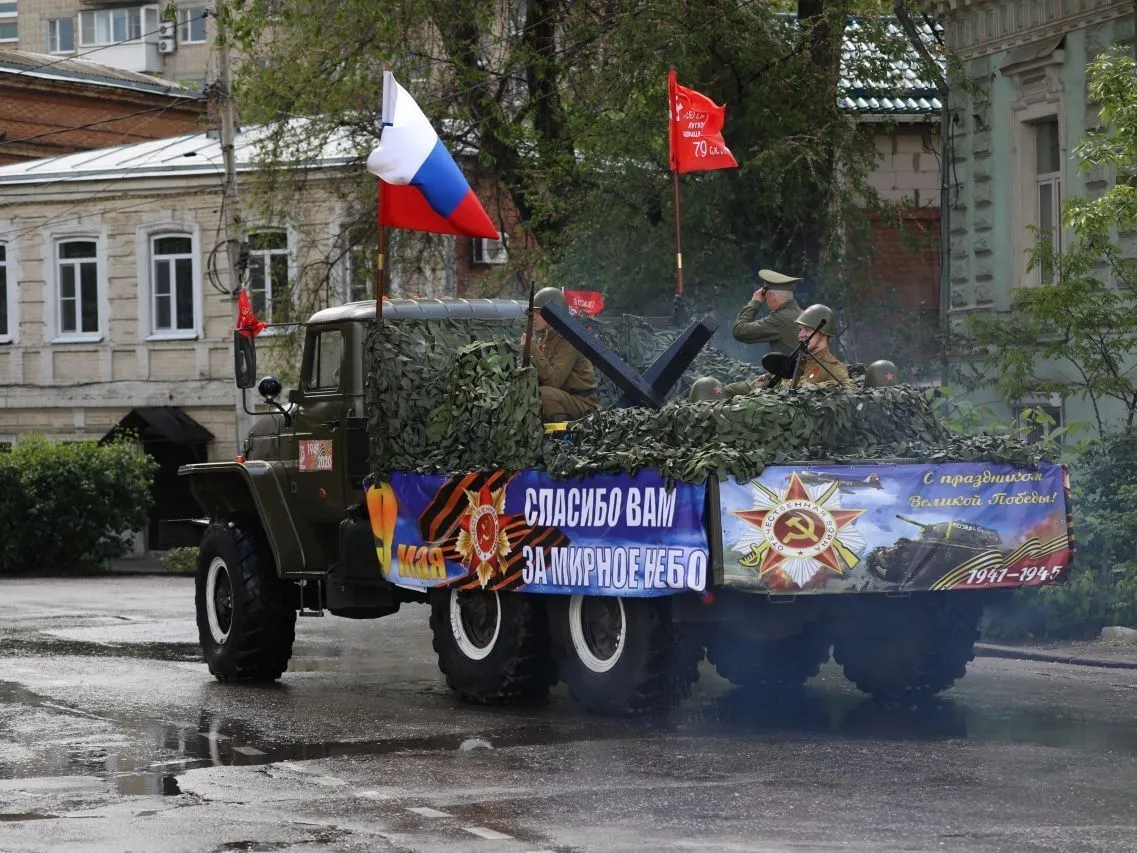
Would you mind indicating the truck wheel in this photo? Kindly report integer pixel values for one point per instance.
(245, 619)
(625, 656)
(906, 650)
(492, 647)
(768, 664)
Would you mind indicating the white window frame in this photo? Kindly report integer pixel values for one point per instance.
(133, 28)
(52, 242)
(53, 36)
(147, 234)
(486, 251)
(11, 265)
(11, 18)
(290, 241)
(185, 17)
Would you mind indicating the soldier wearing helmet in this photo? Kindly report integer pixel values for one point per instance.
(705, 389)
(777, 329)
(566, 378)
(819, 366)
(881, 373)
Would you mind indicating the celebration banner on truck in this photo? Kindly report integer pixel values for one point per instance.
(864, 528)
(619, 534)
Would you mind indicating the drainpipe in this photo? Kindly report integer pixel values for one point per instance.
(946, 154)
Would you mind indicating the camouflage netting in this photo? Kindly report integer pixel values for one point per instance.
(442, 402)
(451, 404)
(688, 441)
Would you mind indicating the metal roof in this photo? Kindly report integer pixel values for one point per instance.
(189, 154)
(22, 63)
(425, 309)
(901, 89)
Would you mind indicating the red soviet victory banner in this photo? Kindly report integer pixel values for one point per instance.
(695, 126)
(589, 302)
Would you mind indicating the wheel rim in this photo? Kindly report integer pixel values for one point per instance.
(219, 600)
(598, 629)
(475, 621)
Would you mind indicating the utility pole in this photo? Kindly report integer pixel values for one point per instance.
(230, 204)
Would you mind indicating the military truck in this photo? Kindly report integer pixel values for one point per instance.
(617, 582)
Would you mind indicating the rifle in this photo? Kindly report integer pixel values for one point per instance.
(529, 326)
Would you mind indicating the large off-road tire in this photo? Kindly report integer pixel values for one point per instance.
(908, 649)
(624, 656)
(246, 618)
(493, 647)
(760, 664)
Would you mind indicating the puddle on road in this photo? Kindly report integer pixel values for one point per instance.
(44, 646)
(152, 767)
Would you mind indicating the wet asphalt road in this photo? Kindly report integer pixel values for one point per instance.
(114, 737)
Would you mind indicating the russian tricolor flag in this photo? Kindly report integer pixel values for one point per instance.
(420, 185)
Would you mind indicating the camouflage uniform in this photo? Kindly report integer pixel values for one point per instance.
(778, 329)
(567, 379)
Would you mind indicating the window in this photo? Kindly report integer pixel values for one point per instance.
(172, 302)
(327, 356)
(487, 251)
(1052, 407)
(9, 30)
(108, 26)
(268, 276)
(78, 299)
(5, 332)
(61, 35)
(1048, 188)
(360, 274)
(191, 25)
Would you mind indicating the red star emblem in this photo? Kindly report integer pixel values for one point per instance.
(482, 541)
(799, 526)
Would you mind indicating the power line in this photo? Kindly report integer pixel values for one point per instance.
(205, 13)
(63, 129)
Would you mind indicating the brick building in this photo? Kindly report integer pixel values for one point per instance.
(130, 36)
(51, 106)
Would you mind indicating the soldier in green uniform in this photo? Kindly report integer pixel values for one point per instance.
(776, 329)
(881, 373)
(567, 379)
(820, 367)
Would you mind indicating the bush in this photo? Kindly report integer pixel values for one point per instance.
(70, 506)
(181, 561)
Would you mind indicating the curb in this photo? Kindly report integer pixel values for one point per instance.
(990, 651)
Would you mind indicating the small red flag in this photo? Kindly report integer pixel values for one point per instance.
(247, 322)
(590, 302)
(695, 131)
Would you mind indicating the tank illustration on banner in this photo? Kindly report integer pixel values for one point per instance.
(940, 548)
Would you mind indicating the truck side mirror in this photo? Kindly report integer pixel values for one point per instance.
(244, 360)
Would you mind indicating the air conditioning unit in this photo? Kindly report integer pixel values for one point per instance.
(487, 251)
(167, 45)
(167, 37)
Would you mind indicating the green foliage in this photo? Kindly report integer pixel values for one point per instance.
(182, 561)
(1076, 334)
(1067, 612)
(562, 106)
(70, 506)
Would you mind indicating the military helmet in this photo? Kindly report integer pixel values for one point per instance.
(549, 295)
(705, 388)
(812, 317)
(880, 373)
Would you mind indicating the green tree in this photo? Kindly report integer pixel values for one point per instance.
(563, 106)
(1077, 334)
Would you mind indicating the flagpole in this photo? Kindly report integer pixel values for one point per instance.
(380, 256)
(678, 237)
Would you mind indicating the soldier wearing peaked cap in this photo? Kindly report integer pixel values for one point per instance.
(776, 329)
(566, 378)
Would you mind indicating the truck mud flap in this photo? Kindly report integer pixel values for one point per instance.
(355, 586)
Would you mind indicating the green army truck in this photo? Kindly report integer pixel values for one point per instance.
(764, 533)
